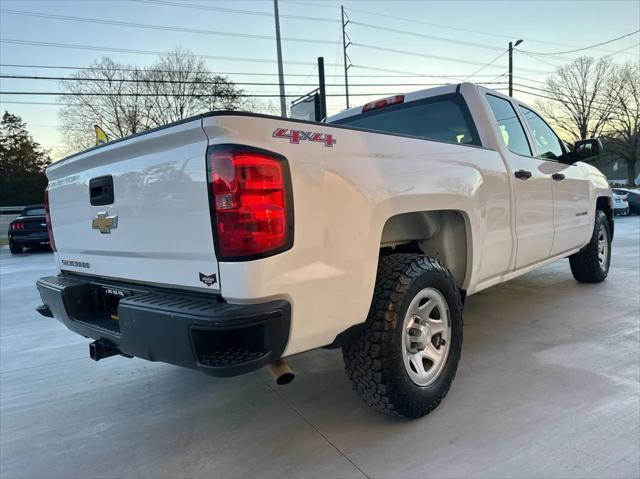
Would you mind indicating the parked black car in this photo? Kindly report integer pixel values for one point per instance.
(633, 199)
(28, 230)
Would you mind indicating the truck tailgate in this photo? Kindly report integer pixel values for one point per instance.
(157, 227)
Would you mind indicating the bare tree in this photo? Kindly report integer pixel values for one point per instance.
(108, 94)
(181, 86)
(124, 99)
(624, 138)
(580, 100)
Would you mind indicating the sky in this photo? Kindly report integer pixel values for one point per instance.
(391, 43)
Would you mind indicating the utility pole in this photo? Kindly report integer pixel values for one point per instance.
(283, 101)
(345, 44)
(323, 92)
(511, 46)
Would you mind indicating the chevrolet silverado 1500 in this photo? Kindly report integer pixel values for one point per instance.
(228, 241)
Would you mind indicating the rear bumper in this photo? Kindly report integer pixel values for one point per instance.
(29, 239)
(187, 329)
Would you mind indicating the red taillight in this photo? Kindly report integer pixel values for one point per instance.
(47, 216)
(374, 105)
(250, 204)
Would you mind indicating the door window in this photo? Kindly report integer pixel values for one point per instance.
(549, 146)
(511, 129)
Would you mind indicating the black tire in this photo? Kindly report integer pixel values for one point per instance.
(374, 358)
(586, 266)
(14, 248)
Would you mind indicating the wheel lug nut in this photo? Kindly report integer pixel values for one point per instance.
(414, 332)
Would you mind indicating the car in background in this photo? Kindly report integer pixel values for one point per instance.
(620, 205)
(29, 230)
(633, 199)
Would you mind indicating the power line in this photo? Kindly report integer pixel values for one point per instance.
(583, 48)
(179, 95)
(96, 68)
(621, 51)
(143, 52)
(426, 55)
(204, 82)
(42, 103)
(565, 94)
(235, 10)
(159, 27)
(386, 16)
(486, 65)
(310, 4)
(538, 59)
(564, 101)
(428, 37)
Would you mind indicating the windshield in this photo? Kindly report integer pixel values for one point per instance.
(39, 211)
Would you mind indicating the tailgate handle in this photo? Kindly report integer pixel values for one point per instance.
(101, 190)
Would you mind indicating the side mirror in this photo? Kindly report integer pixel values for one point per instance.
(587, 148)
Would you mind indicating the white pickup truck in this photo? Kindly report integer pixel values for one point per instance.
(229, 241)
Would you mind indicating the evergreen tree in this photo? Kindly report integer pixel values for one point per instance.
(22, 164)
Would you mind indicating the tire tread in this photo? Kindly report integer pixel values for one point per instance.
(366, 357)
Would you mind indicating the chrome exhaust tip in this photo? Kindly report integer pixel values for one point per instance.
(281, 372)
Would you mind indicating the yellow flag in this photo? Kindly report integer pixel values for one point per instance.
(101, 136)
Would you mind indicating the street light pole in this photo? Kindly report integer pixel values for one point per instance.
(511, 46)
(283, 101)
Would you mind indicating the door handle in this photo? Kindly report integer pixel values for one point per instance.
(523, 174)
(558, 176)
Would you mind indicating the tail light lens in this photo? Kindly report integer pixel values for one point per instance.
(250, 200)
(47, 216)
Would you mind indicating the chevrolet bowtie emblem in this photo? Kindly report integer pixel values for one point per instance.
(104, 223)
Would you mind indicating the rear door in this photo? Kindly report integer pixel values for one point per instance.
(531, 182)
(137, 210)
(571, 189)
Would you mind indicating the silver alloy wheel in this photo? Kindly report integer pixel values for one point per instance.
(603, 247)
(426, 336)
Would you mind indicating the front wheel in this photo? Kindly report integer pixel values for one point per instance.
(406, 356)
(591, 263)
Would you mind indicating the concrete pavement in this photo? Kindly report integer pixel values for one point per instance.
(548, 386)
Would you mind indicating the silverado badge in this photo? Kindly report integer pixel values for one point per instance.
(104, 223)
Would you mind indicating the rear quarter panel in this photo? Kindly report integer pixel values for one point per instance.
(343, 195)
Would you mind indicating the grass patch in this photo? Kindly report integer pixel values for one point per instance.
(4, 240)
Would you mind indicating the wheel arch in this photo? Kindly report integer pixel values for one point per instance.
(443, 234)
(604, 204)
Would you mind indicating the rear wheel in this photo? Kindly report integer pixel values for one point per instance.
(14, 248)
(591, 263)
(405, 358)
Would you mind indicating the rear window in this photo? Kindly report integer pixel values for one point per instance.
(441, 118)
(33, 212)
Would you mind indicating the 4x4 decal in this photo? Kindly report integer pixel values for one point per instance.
(296, 136)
